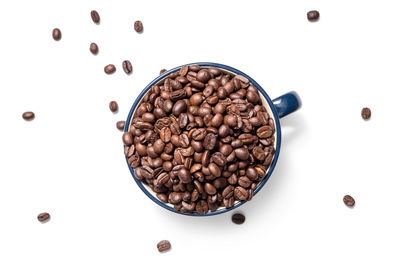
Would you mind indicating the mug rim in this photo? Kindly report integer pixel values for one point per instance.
(277, 128)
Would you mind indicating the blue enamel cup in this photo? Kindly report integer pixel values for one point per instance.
(279, 107)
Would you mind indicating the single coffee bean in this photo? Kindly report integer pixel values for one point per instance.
(202, 207)
(238, 218)
(138, 26)
(127, 66)
(120, 125)
(127, 138)
(163, 245)
(349, 201)
(210, 189)
(113, 106)
(95, 16)
(94, 48)
(109, 69)
(28, 115)
(366, 113)
(240, 193)
(43, 217)
(162, 71)
(313, 15)
(56, 34)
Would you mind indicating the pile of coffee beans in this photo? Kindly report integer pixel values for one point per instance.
(201, 139)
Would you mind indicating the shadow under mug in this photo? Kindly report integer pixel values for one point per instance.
(279, 107)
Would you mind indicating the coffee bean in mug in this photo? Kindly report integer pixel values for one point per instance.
(43, 217)
(349, 201)
(163, 245)
(162, 71)
(56, 34)
(238, 218)
(94, 48)
(202, 139)
(28, 115)
(127, 66)
(366, 113)
(109, 69)
(313, 15)
(138, 26)
(113, 106)
(95, 16)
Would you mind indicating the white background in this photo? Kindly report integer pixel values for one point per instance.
(69, 160)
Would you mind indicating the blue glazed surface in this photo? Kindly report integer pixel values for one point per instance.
(277, 126)
(287, 103)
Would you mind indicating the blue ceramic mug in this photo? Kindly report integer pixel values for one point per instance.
(278, 107)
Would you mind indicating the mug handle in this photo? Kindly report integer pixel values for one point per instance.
(287, 103)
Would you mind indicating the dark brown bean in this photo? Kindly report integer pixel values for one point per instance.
(138, 26)
(113, 106)
(127, 66)
(43, 217)
(238, 218)
(313, 15)
(95, 16)
(120, 125)
(109, 69)
(94, 48)
(56, 34)
(28, 115)
(366, 113)
(349, 201)
(163, 245)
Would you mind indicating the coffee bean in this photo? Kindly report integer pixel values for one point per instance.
(95, 16)
(349, 201)
(56, 34)
(120, 125)
(138, 26)
(313, 15)
(113, 106)
(162, 71)
(43, 217)
(238, 218)
(366, 113)
(163, 245)
(109, 69)
(201, 139)
(94, 48)
(127, 66)
(28, 115)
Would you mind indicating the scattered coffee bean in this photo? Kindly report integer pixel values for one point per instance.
(28, 116)
(120, 125)
(56, 34)
(366, 113)
(138, 26)
(113, 106)
(163, 245)
(127, 66)
(201, 139)
(313, 15)
(109, 69)
(162, 71)
(95, 16)
(94, 48)
(43, 217)
(349, 201)
(238, 218)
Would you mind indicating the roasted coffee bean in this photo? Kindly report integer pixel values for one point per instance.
(210, 141)
(228, 202)
(366, 113)
(95, 16)
(127, 138)
(162, 71)
(349, 201)
(120, 125)
(202, 207)
(127, 66)
(264, 132)
(28, 115)
(163, 197)
(138, 26)
(219, 159)
(240, 193)
(242, 153)
(238, 218)
(184, 175)
(56, 34)
(163, 245)
(220, 183)
(43, 217)
(228, 191)
(179, 107)
(94, 48)
(113, 106)
(109, 69)
(313, 15)
(244, 182)
(210, 189)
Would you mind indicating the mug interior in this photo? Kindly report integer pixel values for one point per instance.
(266, 102)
